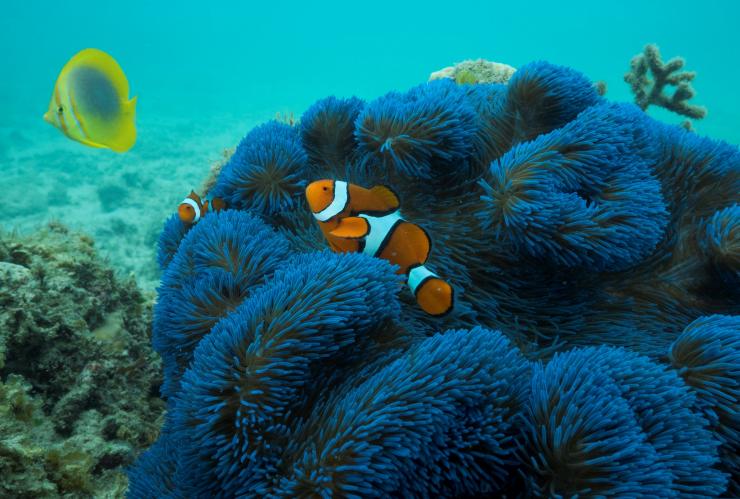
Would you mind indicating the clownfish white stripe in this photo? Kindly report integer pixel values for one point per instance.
(380, 229)
(337, 205)
(417, 275)
(195, 207)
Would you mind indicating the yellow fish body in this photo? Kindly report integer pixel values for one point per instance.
(90, 102)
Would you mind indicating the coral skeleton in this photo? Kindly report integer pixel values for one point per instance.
(649, 91)
(592, 350)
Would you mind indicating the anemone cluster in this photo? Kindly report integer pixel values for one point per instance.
(594, 348)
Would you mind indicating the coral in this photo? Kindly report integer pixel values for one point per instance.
(216, 167)
(476, 71)
(581, 237)
(78, 379)
(652, 92)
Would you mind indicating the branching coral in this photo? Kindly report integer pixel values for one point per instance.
(652, 92)
(563, 221)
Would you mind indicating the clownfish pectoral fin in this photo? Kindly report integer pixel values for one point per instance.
(386, 195)
(351, 228)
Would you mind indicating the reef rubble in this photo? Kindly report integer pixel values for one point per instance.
(78, 379)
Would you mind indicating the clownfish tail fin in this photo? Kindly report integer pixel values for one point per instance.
(434, 295)
(218, 204)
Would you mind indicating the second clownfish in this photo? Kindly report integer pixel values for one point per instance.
(355, 219)
(193, 208)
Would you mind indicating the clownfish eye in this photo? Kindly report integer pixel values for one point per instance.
(325, 188)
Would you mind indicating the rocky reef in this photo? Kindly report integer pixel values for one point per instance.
(79, 381)
(594, 346)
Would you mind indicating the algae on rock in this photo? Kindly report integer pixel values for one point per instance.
(79, 383)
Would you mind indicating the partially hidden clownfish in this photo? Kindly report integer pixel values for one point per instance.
(355, 219)
(193, 208)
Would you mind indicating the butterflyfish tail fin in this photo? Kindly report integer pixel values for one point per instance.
(131, 105)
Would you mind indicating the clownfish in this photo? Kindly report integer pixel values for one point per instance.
(193, 208)
(355, 219)
(90, 102)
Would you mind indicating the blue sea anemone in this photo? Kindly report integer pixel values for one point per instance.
(721, 244)
(561, 220)
(707, 356)
(608, 422)
(222, 259)
(423, 134)
(327, 129)
(260, 362)
(154, 475)
(267, 172)
(169, 240)
(437, 422)
(581, 196)
(495, 134)
(542, 97)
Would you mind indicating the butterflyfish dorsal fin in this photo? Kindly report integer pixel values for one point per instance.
(386, 195)
(351, 228)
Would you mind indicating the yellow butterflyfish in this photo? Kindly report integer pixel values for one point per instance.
(90, 102)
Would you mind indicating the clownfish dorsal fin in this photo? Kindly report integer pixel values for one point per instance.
(386, 195)
(351, 228)
(195, 198)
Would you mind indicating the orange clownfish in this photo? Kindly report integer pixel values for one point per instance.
(192, 208)
(355, 219)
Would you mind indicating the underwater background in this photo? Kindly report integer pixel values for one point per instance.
(205, 73)
(593, 348)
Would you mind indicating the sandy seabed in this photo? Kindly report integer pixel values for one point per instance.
(121, 200)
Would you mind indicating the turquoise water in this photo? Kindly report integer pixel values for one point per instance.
(205, 72)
